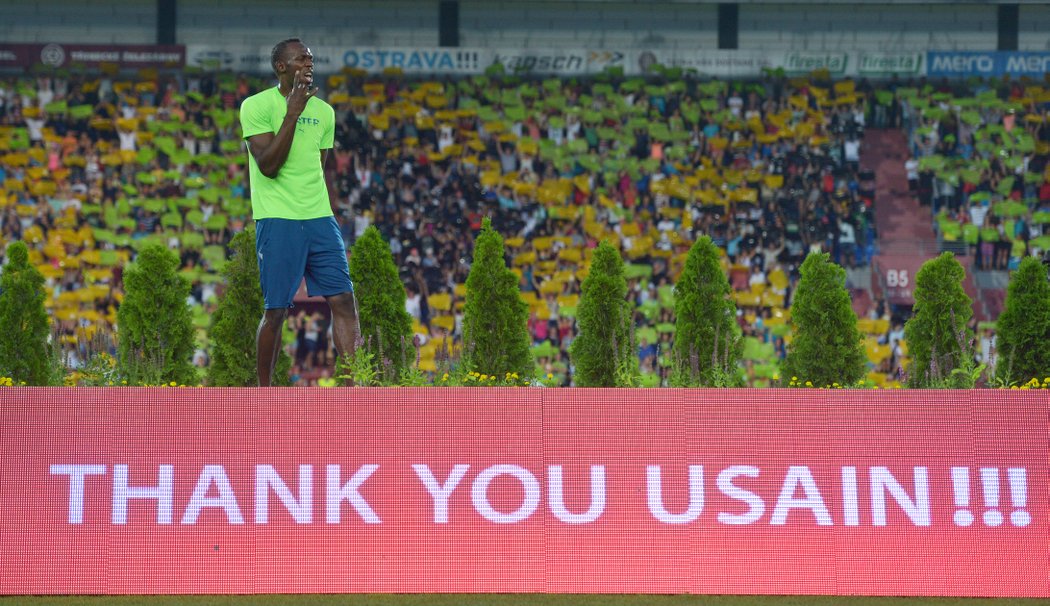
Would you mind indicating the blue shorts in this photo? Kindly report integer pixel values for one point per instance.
(290, 250)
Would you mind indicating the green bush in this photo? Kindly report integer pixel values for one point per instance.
(386, 326)
(707, 343)
(24, 351)
(495, 317)
(826, 347)
(939, 342)
(236, 320)
(1023, 328)
(154, 327)
(603, 351)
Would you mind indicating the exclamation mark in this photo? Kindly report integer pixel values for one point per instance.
(1018, 479)
(990, 480)
(961, 483)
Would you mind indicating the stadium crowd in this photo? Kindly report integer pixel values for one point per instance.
(94, 166)
(979, 160)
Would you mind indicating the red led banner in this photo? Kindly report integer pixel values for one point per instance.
(120, 491)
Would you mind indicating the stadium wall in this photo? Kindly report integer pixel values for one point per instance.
(830, 27)
(137, 490)
(604, 26)
(544, 24)
(1034, 23)
(108, 21)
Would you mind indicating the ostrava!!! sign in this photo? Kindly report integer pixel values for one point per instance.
(414, 59)
(143, 491)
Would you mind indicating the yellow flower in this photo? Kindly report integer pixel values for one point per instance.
(173, 384)
(794, 378)
(484, 377)
(776, 377)
(809, 383)
(549, 376)
(514, 375)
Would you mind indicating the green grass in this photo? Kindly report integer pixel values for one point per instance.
(509, 600)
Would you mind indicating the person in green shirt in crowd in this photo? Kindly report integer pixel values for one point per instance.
(289, 132)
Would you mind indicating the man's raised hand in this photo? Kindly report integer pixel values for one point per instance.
(302, 90)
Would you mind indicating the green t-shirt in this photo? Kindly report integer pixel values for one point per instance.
(298, 191)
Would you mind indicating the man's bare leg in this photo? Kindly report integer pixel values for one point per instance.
(268, 344)
(345, 326)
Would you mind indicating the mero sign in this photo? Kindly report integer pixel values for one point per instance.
(965, 64)
(523, 490)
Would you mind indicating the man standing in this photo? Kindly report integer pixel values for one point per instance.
(288, 133)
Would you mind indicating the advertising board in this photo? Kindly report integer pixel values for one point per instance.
(125, 56)
(136, 490)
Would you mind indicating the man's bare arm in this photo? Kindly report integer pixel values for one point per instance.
(271, 151)
(328, 182)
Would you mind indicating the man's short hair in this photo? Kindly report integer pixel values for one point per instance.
(279, 49)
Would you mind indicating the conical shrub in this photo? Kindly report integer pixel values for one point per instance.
(1023, 328)
(236, 321)
(707, 342)
(826, 346)
(495, 317)
(386, 326)
(24, 350)
(154, 327)
(603, 352)
(939, 341)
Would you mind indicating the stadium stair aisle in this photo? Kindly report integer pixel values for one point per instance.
(901, 222)
(904, 226)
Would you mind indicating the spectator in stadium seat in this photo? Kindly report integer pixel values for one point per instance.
(447, 199)
(847, 244)
(289, 133)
